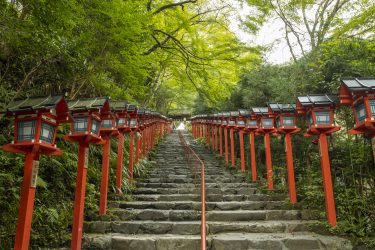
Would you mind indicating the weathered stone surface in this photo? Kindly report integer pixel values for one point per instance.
(126, 243)
(165, 213)
(177, 243)
(125, 227)
(297, 244)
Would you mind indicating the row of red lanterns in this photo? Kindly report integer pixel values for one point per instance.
(92, 121)
(277, 119)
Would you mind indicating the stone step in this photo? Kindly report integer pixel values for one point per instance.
(223, 241)
(141, 242)
(183, 215)
(191, 180)
(195, 205)
(189, 185)
(193, 227)
(196, 190)
(209, 197)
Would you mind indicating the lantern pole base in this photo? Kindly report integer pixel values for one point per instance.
(104, 180)
(25, 212)
(79, 197)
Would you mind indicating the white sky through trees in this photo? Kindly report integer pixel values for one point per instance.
(270, 35)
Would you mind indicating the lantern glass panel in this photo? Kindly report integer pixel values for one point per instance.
(232, 122)
(26, 130)
(372, 107)
(121, 122)
(80, 124)
(46, 133)
(267, 123)
(224, 122)
(133, 122)
(252, 123)
(95, 124)
(360, 112)
(323, 118)
(288, 121)
(310, 119)
(107, 123)
(240, 123)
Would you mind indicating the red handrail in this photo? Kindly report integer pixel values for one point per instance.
(194, 160)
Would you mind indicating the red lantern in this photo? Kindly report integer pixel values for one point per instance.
(252, 127)
(85, 130)
(133, 124)
(122, 125)
(232, 127)
(320, 113)
(241, 127)
(225, 125)
(35, 124)
(359, 93)
(286, 124)
(266, 127)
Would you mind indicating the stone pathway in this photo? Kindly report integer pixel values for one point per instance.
(166, 213)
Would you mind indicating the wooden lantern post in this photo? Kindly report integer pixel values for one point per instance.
(232, 126)
(266, 128)
(252, 127)
(85, 129)
(241, 126)
(285, 122)
(320, 113)
(133, 124)
(359, 93)
(107, 130)
(220, 126)
(119, 107)
(35, 124)
(212, 129)
(141, 112)
(225, 124)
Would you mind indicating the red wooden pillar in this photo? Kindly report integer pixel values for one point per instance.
(253, 156)
(137, 139)
(120, 156)
(242, 151)
(267, 147)
(25, 212)
(79, 196)
(212, 138)
(327, 180)
(290, 167)
(232, 147)
(226, 144)
(131, 149)
(105, 174)
(216, 138)
(221, 140)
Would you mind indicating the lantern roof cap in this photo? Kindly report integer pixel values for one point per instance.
(282, 107)
(244, 112)
(359, 84)
(260, 110)
(37, 103)
(141, 111)
(131, 107)
(119, 105)
(318, 100)
(89, 104)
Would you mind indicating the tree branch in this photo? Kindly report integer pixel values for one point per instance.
(173, 5)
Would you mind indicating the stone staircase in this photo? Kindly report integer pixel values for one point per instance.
(166, 213)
